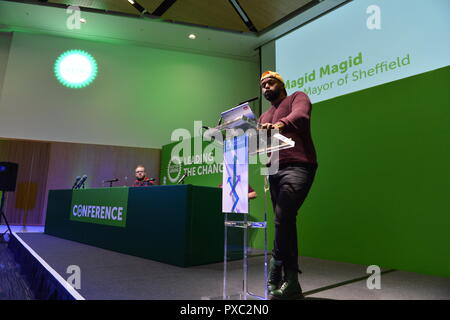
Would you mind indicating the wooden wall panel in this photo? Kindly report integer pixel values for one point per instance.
(45, 166)
(98, 162)
(25, 206)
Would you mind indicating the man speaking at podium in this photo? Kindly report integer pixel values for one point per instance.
(290, 185)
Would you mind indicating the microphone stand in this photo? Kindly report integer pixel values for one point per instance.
(2, 214)
(181, 181)
(110, 182)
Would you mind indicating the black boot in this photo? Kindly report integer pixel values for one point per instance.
(275, 275)
(290, 289)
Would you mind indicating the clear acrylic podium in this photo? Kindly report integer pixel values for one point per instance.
(266, 142)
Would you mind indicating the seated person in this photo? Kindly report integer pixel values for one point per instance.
(141, 179)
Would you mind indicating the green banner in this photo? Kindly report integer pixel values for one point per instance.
(106, 206)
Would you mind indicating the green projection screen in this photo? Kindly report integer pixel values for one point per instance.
(381, 129)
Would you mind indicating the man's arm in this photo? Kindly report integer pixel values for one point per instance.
(300, 114)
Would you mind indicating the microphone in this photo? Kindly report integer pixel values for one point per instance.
(77, 179)
(252, 99)
(182, 178)
(220, 121)
(81, 182)
(110, 181)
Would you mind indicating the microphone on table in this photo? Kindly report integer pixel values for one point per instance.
(77, 179)
(81, 182)
(111, 181)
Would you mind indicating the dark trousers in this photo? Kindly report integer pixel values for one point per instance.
(288, 189)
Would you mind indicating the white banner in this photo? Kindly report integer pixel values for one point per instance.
(235, 175)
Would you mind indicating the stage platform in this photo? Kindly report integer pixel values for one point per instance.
(111, 275)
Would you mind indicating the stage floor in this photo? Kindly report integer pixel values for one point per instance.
(111, 275)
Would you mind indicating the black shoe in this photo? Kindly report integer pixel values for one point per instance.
(275, 275)
(290, 289)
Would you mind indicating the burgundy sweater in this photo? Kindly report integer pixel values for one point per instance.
(295, 112)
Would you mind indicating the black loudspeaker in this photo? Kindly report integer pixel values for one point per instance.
(8, 176)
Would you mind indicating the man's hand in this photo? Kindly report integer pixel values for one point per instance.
(266, 126)
(279, 126)
(271, 126)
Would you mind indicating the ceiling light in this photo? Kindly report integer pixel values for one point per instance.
(131, 1)
(82, 20)
(192, 36)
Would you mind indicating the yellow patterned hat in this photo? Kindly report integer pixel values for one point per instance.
(272, 74)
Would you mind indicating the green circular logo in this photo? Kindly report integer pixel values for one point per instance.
(75, 69)
(174, 169)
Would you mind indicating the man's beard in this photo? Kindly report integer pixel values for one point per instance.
(272, 95)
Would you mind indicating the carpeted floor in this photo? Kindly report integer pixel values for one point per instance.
(111, 275)
(13, 285)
